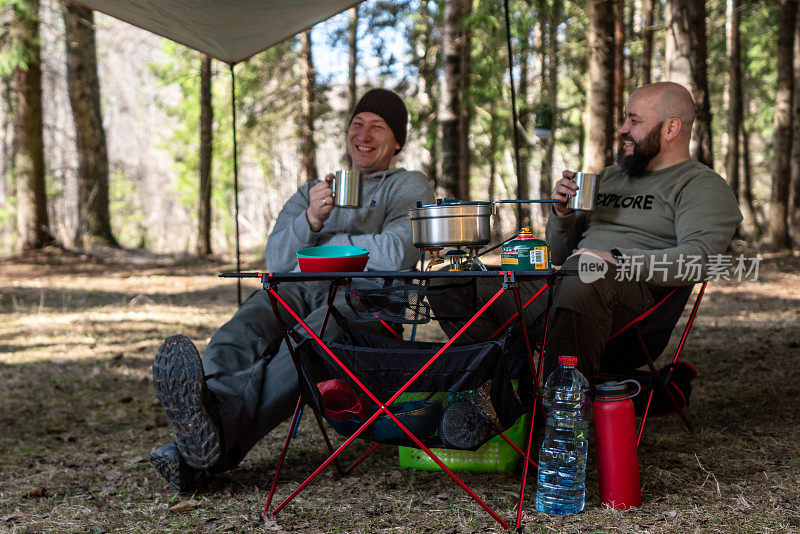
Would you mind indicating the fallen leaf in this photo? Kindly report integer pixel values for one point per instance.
(33, 492)
(185, 506)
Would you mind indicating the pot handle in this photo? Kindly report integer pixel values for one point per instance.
(527, 201)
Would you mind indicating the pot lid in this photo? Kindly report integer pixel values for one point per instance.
(453, 201)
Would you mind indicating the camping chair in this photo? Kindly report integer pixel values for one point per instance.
(643, 340)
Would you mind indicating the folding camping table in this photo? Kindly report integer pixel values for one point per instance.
(510, 281)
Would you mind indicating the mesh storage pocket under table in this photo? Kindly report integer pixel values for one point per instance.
(463, 399)
(395, 300)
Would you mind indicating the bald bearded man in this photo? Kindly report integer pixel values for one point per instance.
(656, 209)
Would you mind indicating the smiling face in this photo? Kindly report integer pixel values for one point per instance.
(640, 135)
(635, 155)
(370, 143)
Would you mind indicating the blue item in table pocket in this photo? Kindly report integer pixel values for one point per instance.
(420, 417)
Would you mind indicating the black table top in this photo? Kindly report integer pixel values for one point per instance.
(267, 277)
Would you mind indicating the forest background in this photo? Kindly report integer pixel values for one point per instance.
(113, 136)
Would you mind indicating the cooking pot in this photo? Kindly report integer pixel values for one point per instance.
(456, 223)
(451, 223)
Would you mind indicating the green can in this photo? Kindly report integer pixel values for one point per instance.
(525, 253)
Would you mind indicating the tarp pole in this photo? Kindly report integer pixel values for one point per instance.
(235, 185)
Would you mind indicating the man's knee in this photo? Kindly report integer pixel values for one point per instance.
(584, 293)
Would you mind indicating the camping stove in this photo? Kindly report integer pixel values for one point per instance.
(460, 259)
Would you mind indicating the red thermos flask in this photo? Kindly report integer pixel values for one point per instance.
(615, 443)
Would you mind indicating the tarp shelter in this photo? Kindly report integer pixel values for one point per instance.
(229, 30)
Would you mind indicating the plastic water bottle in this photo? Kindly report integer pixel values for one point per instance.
(561, 487)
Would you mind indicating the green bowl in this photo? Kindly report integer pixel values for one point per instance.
(332, 251)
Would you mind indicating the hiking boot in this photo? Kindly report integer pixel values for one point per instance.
(169, 464)
(180, 387)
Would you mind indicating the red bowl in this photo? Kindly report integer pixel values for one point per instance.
(340, 264)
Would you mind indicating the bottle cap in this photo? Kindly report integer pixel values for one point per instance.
(611, 389)
(567, 360)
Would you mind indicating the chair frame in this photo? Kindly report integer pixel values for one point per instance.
(636, 326)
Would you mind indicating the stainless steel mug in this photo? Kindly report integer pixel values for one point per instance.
(346, 186)
(587, 190)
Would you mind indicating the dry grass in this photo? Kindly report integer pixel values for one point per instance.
(79, 416)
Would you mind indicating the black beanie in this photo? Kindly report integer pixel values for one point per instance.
(388, 106)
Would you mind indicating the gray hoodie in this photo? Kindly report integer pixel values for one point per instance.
(381, 224)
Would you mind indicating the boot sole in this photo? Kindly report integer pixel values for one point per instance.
(179, 384)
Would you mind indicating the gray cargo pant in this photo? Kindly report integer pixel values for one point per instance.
(249, 370)
(582, 318)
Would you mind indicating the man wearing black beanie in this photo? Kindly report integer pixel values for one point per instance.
(376, 133)
(388, 106)
(246, 384)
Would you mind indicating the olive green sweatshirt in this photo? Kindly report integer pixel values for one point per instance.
(663, 222)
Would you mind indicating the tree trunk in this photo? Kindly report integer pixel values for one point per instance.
(794, 194)
(493, 142)
(7, 136)
(206, 150)
(750, 224)
(465, 118)
(427, 60)
(734, 95)
(308, 89)
(686, 59)
(32, 220)
(523, 173)
(600, 96)
(352, 47)
(648, 14)
(83, 84)
(619, 63)
(551, 98)
(451, 116)
(777, 235)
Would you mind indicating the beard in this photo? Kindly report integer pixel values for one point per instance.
(643, 152)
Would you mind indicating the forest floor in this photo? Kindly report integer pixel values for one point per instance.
(78, 417)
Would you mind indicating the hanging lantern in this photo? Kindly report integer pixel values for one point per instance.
(543, 124)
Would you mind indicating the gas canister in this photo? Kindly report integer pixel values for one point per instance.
(525, 253)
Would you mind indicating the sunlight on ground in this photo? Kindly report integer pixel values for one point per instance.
(26, 338)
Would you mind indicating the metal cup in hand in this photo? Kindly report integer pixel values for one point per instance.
(346, 186)
(585, 195)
